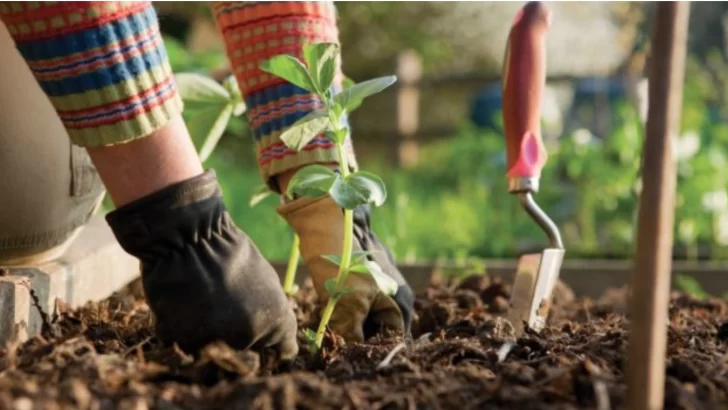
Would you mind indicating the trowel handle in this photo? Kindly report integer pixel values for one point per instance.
(524, 78)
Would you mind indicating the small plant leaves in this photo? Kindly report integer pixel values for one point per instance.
(177, 54)
(355, 257)
(385, 283)
(348, 83)
(199, 92)
(304, 130)
(312, 181)
(290, 69)
(231, 85)
(360, 268)
(352, 97)
(335, 291)
(321, 61)
(260, 193)
(310, 336)
(335, 259)
(206, 126)
(358, 188)
(369, 186)
(345, 195)
(330, 286)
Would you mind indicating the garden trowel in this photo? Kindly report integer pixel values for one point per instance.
(524, 77)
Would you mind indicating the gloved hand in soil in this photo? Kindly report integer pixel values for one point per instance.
(365, 311)
(203, 277)
(273, 104)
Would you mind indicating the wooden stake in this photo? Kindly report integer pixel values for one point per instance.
(409, 73)
(651, 277)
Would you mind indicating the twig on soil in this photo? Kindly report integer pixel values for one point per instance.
(130, 314)
(424, 338)
(553, 376)
(186, 359)
(504, 350)
(601, 393)
(388, 359)
(138, 345)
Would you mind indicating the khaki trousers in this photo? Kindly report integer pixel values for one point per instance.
(48, 188)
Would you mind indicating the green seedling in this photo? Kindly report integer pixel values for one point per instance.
(289, 285)
(209, 106)
(347, 189)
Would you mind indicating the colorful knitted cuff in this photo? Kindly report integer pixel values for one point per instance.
(103, 66)
(254, 32)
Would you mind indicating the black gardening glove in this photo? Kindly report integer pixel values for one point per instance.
(369, 241)
(204, 279)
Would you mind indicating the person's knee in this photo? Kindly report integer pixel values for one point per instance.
(48, 187)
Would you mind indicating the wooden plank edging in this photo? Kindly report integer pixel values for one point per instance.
(586, 277)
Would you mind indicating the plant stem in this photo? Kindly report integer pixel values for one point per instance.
(345, 256)
(325, 317)
(292, 266)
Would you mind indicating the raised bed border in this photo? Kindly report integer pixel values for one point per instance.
(587, 278)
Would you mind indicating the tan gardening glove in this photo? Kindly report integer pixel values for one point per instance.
(367, 310)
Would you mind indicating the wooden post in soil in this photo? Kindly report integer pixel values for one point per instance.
(651, 276)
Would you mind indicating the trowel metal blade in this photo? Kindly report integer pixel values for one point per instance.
(536, 277)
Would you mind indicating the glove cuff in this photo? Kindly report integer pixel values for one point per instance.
(167, 219)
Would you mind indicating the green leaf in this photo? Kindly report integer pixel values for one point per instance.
(355, 257)
(334, 291)
(340, 135)
(206, 126)
(369, 186)
(330, 286)
(385, 283)
(304, 130)
(231, 85)
(197, 88)
(335, 259)
(321, 61)
(312, 181)
(345, 195)
(309, 334)
(178, 56)
(260, 193)
(290, 69)
(360, 268)
(690, 285)
(348, 83)
(239, 108)
(350, 98)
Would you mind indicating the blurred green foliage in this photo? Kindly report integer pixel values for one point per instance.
(455, 203)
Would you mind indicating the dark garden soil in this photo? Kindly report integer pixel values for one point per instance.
(462, 357)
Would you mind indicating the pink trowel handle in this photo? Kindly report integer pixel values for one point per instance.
(524, 77)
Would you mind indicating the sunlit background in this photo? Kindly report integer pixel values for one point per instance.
(436, 138)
